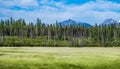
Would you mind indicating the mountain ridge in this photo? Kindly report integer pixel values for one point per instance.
(74, 23)
(109, 21)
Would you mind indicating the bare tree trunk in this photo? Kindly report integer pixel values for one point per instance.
(31, 35)
(64, 35)
(90, 37)
(22, 34)
(36, 30)
(115, 35)
(102, 37)
(0, 37)
(73, 38)
(54, 41)
(48, 36)
(4, 30)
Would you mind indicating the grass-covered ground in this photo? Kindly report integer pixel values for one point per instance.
(59, 58)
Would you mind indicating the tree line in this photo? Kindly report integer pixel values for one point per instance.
(19, 33)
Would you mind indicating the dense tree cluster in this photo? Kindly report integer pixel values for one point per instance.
(19, 33)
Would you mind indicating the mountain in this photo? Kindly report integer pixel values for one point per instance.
(109, 21)
(74, 23)
(118, 21)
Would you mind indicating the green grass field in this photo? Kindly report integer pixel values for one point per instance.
(59, 58)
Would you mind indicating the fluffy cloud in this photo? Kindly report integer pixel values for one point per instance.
(49, 11)
(21, 3)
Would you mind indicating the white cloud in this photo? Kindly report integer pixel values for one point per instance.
(28, 3)
(21, 3)
(50, 11)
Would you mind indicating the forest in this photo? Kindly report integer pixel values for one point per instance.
(18, 33)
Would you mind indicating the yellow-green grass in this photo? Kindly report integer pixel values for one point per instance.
(59, 58)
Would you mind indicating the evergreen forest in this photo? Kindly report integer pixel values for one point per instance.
(18, 33)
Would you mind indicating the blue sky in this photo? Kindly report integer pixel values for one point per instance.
(90, 11)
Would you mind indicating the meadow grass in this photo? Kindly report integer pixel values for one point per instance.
(59, 58)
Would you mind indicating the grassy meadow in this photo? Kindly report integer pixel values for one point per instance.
(59, 58)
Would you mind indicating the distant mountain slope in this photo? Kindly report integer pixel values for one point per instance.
(74, 23)
(109, 21)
